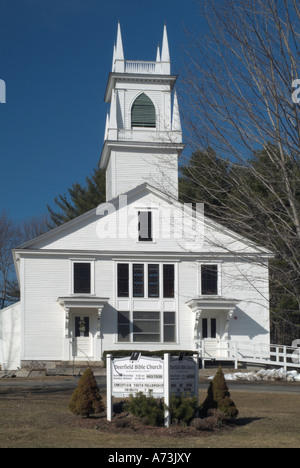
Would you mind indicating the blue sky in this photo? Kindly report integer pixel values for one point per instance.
(55, 56)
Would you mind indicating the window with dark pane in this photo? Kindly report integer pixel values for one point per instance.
(143, 112)
(169, 327)
(168, 281)
(145, 226)
(82, 278)
(123, 326)
(123, 280)
(146, 327)
(213, 328)
(204, 328)
(138, 280)
(153, 280)
(209, 279)
(82, 326)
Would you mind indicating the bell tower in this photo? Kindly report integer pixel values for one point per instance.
(143, 136)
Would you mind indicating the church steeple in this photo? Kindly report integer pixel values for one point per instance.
(143, 136)
(118, 65)
(165, 54)
(176, 121)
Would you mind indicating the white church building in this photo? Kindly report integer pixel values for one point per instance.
(142, 271)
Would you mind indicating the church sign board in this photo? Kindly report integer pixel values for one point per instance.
(155, 376)
(184, 376)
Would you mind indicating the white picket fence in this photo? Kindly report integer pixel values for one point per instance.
(260, 354)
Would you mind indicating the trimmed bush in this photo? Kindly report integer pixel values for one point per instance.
(218, 397)
(182, 409)
(147, 408)
(86, 398)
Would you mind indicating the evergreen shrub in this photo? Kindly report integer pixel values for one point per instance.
(218, 397)
(183, 408)
(86, 398)
(147, 408)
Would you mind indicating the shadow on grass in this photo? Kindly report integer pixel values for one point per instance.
(245, 421)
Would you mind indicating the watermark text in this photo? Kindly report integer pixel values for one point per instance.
(2, 92)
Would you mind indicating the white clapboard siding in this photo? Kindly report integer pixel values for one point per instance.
(10, 337)
(132, 168)
(107, 233)
(49, 277)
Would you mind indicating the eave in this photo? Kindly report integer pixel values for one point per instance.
(110, 145)
(136, 77)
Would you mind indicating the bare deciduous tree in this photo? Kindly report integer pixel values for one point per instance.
(13, 234)
(10, 237)
(240, 84)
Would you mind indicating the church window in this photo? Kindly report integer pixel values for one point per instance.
(123, 280)
(145, 226)
(123, 327)
(138, 280)
(82, 278)
(82, 327)
(209, 280)
(146, 327)
(168, 280)
(153, 280)
(143, 112)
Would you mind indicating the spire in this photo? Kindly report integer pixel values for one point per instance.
(119, 54)
(158, 54)
(165, 54)
(176, 122)
(158, 62)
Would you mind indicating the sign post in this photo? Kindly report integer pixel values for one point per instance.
(167, 389)
(109, 387)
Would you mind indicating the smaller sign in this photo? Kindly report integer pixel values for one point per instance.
(184, 376)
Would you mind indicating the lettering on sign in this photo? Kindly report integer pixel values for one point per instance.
(131, 377)
(183, 376)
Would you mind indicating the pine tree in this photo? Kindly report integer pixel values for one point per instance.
(80, 199)
(86, 398)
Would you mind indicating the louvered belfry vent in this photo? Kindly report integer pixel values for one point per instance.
(143, 112)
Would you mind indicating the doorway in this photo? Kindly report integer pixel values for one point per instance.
(209, 328)
(82, 337)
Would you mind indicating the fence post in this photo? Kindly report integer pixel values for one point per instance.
(196, 359)
(202, 353)
(284, 358)
(167, 388)
(236, 359)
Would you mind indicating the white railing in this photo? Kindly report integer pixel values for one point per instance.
(149, 135)
(137, 66)
(269, 355)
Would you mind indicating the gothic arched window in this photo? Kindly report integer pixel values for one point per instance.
(143, 112)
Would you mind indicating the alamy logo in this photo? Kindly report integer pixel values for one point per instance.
(296, 93)
(2, 92)
(121, 220)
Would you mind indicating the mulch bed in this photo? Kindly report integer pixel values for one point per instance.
(125, 423)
